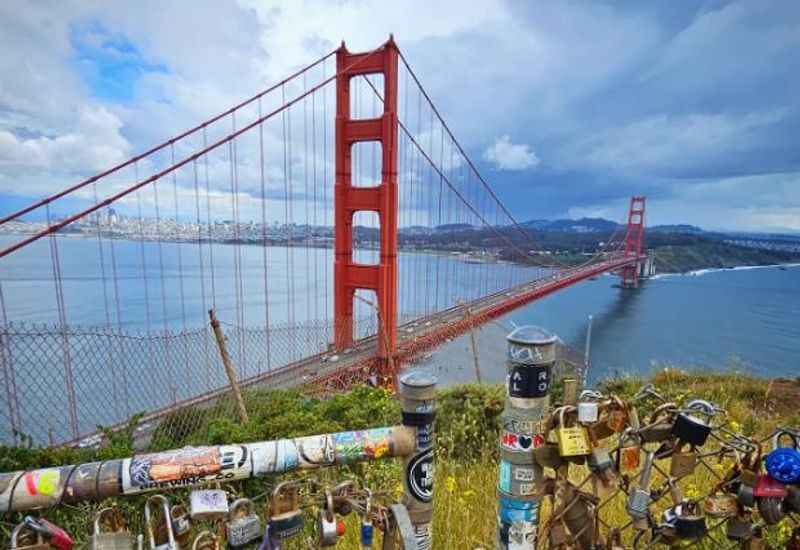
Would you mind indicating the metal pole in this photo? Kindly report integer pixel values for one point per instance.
(587, 353)
(229, 370)
(418, 400)
(475, 358)
(531, 358)
(192, 466)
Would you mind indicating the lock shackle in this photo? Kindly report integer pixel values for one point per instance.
(780, 433)
(591, 395)
(562, 411)
(347, 484)
(164, 503)
(666, 409)
(648, 390)
(282, 486)
(367, 501)
(328, 511)
(632, 434)
(205, 535)
(703, 406)
(101, 515)
(238, 503)
(15, 533)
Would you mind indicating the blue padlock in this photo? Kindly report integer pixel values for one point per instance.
(783, 463)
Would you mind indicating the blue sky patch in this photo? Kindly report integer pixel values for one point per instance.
(109, 63)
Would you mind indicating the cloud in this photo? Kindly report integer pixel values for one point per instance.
(505, 155)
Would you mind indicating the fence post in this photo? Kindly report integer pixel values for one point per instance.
(226, 362)
(418, 400)
(531, 357)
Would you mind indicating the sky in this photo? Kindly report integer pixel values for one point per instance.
(567, 108)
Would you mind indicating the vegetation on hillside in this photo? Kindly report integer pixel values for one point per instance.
(467, 434)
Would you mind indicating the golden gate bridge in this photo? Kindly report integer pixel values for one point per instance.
(333, 221)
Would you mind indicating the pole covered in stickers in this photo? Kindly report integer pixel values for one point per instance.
(531, 357)
(191, 466)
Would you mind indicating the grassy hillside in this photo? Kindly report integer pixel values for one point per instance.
(714, 254)
(467, 428)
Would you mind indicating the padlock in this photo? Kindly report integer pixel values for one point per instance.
(367, 532)
(171, 543)
(629, 452)
(206, 540)
(690, 524)
(683, 460)
(745, 496)
(243, 526)
(18, 536)
(117, 539)
(601, 464)
(578, 519)
(181, 524)
(621, 416)
(285, 517)
(771, 509)
(330, 529)
(690, 429)
(589, 406)
(766, 487)
(573, 441)
(53, 534)
(783, 463)
(547, 455)
(639, 498)
(208, 504)
(720, 505)
(739, 527)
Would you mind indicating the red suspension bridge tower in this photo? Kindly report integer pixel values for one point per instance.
(350, 276)
(633, 242)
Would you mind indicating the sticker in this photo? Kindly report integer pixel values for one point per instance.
(524, 474)
(510, 515)
(361, 445)
(527, 489)
(524, 426)
(186, 466)
(522, 535)
(528, 381)
(42, 482)
(422, 532)
(419, 473)
(531, 355)
(505, 476)
(520, 442)
(274, 457)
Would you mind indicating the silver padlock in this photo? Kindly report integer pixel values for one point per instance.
(159, 500)
(244, 525)
(208, 504)
(328, 528)
(589, 406)
(119, 539)
(40, 543)
(181, 524)
(639, 498)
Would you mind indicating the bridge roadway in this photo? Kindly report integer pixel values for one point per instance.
(331, 371)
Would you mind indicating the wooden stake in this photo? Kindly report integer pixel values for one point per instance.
(474, 347)
(226, 362)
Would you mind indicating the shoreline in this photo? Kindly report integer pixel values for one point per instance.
(706, 270)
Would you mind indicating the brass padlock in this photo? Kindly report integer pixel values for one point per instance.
(721, 505)
(118, 538)
(171, 543)
(206, 540)
(683, 461)
(285, 517)
(573, 441)
(24, 537)
(547, 455)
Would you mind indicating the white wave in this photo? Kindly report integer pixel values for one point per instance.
(700, 272)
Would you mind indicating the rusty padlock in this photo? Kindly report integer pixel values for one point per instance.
(171, 543)
(181, 524)
(683, 460)
(206, 540)
(118, 538)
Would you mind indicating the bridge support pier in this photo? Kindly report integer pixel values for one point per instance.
(349, 276)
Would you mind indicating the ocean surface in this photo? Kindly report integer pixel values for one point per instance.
(746, 318)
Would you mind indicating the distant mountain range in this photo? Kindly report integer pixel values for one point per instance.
(600, 225)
